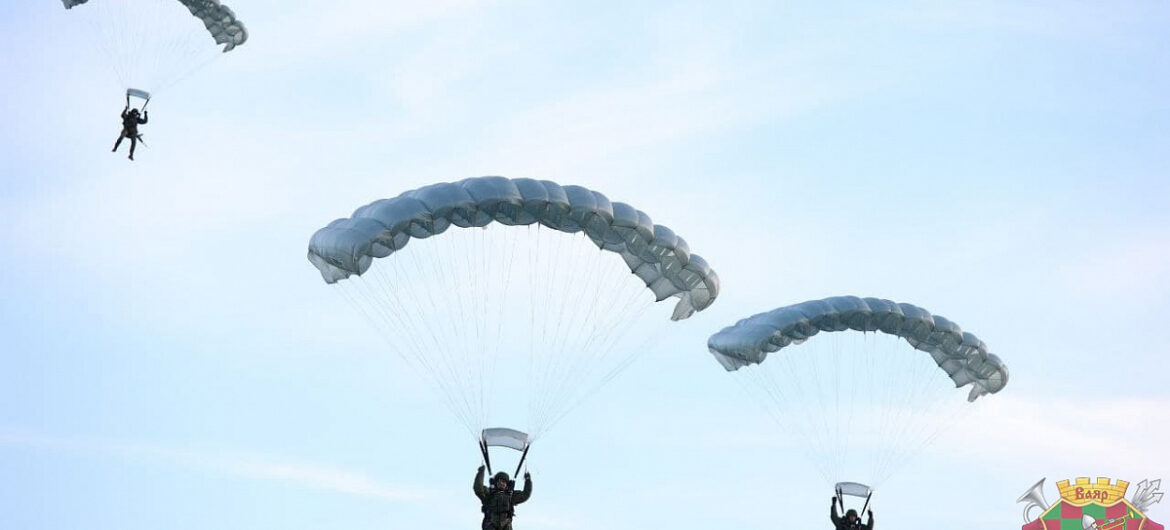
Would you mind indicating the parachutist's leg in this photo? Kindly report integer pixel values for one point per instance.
(117, 143)
(133, 144)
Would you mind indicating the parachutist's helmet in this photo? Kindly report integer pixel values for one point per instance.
(851, 513)
(501, 476)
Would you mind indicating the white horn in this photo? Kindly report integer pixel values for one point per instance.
(1035, 499)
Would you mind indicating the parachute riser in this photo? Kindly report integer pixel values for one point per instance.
(487, 460)
(523, 456)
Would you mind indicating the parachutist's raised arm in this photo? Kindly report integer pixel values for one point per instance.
(833, 512)
(143, 118)
(523, 495)
(869, 523)
(477, 487)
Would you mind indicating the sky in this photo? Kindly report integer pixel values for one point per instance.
(171, 359)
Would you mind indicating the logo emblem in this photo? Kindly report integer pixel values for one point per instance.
(1092, 505)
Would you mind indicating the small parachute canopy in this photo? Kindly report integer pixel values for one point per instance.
(961, 355)
(219, 20)
(504, 437)
(854, 489)
(136, 93)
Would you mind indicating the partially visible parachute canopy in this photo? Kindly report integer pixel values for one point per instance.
(960, 354)
(661, 259)
(219, 20)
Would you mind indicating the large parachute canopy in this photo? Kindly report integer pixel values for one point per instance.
(497, 287)
(152, 44)
(861, 403)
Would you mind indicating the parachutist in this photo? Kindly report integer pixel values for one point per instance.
(500, 499)
(850, 521)
(130, 123)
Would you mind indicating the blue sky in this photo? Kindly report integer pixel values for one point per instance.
(172, 360)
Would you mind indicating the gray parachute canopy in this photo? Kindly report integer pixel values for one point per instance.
(960, 354)
(219, 20)
(661, 259)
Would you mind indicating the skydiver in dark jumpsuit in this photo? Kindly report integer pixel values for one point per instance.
(500, 500)
(130, 123)
(851, 521)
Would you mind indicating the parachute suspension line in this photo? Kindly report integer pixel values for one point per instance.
(618, 368)
(596, 342)
(634, 313)
(938, 395)
(455, 287)
(578, 314)
(101, 34)
(513, 249)
(458, 283)
(385, 323)
(579, 272)
(450, 307)
(565, 273)
(773, 400)
(161, 53)
(885, 397)
(543, 282)
(488, 344)
(403, 304)
(396, 310)
(900, 393)
(807, 383)
(562, 366)
(895, 395)
(148, 44)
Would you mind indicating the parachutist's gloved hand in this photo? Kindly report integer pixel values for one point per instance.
(480, 468)
(871, 513)
(527, 475)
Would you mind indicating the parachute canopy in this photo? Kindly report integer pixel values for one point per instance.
(512, 292)
(153, 44)
(653, 252)
(860, 404)
(960, 354)
(219, 20)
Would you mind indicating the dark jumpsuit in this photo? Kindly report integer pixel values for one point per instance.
(499, 505)
(130, 123)
(840, 523)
